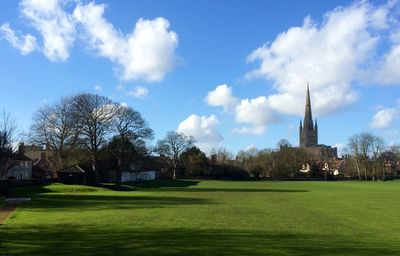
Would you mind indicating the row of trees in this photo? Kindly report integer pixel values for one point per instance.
(90, 128)
(267, 163)
(90, 121)
(369, 157)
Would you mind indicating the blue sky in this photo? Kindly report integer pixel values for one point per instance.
(231, 73)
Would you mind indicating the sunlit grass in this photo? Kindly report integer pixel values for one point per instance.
(207, 218)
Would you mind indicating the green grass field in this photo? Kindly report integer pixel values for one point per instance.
(208, 218)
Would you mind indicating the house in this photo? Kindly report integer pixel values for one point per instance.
(42, 167)
(128, 176)
(20, 166)
(75, 175)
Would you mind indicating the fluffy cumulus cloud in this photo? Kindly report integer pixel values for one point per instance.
(138, 92)
(147, 53)
(24, 43)
(256, 112)
(384, 118)
(222, 96)
(329, 55)
(55, 25)
(204, 129)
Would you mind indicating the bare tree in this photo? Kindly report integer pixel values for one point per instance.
(130, 124)
(132, 130)
(55, 125)
(172, 147)
(221, 156)
(94, 115)
(377, 148)
(354, 149)
(283, 143)
(8, 130)
(366, 149)
(266, 160)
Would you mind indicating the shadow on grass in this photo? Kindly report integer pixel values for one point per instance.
(166, 184)
(127, 240)
(260, 190)
(115, 187)
(47, 202)
(24, 191)
(190, 186)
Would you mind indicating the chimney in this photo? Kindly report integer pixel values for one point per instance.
(43, 155)
(21, 148)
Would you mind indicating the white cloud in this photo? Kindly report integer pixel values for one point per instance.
(250, 130)
(24, 43)
(330, 56)
(257, 112)
(384, 118)
(55, 25)
(138, 92)
(221, 96)
(98, 88)
(203, 129)
(388, 72)
(147, 53)
(124, 104)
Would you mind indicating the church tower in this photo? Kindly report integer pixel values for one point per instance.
(308, 131)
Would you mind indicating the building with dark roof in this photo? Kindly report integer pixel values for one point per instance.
(20, 166)
(75, 175)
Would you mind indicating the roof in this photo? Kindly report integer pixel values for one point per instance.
(72, 169)
(20, 157)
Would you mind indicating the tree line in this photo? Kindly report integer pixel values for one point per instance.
(93, 130)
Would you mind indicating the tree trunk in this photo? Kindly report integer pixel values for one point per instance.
(95, 171)
(358, 169)
(365, 172)
(119, 173)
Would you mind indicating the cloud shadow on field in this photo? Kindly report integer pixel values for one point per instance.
(48, 202)
(130, 240)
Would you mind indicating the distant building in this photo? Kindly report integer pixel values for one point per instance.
(325, 156)
(20, 166)
(42, 167)
(75, 175)
(131, 176)
(308, 130)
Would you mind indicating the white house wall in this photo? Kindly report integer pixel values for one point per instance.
(21, 171)
(138, 176)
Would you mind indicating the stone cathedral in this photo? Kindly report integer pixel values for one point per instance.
(308, 130)
(308, 136)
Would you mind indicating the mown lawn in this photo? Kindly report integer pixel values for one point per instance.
(208, 218)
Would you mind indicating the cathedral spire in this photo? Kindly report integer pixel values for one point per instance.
(309, 131)
(308, 122)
